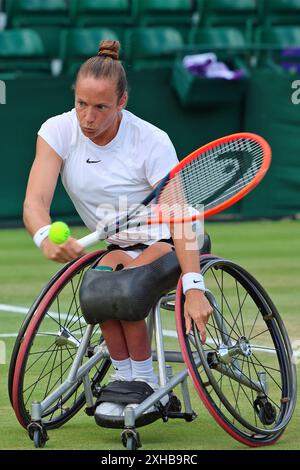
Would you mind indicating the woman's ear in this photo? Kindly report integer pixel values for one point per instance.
(123, 102)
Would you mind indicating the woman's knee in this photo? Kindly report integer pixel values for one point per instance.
(114, 258)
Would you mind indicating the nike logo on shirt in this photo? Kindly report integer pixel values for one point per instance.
(93, 161)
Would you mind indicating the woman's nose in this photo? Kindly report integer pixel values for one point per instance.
(90, 116)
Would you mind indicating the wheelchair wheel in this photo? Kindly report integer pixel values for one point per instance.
(244, 374)
(29, 316)
(46, 346)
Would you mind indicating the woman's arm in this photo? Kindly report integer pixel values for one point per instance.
(41, 186)
(196, 305)
(40, 190)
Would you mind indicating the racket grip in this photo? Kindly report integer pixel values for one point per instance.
(89, 240)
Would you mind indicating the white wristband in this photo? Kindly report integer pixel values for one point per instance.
(40, 235)
(192, 281)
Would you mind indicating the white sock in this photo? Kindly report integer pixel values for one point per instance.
(144, 370)
(123, 368)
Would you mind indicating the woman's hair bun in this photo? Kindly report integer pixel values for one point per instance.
(109, 49)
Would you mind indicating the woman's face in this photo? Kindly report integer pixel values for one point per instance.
(98, 108)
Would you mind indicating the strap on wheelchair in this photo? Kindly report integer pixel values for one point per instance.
(125, 392)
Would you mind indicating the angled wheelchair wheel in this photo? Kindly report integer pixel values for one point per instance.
(46, 346)
(28, 318)
(244, 373)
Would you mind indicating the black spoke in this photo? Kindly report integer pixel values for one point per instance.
(267, 395)
(41, 354)
(50, 375)
(235, 319)
(233, 392)
(265, 369)
(216, 329)
(257, 364)
(210, 335)
(76, 321)
(257, 315)
(259, 334)
(58, 308)
(239, 386)
(228, 324)
(240, 308)
(224, 298)
(221, 312)
(220, 382)
(74, 297)
(252, 392)
(63, 373)
(222, 332)
(242, 388)
(39, 378)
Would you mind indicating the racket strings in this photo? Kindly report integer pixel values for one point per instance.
(212, 174)
(212, 177)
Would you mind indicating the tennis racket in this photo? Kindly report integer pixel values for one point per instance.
(206, 182)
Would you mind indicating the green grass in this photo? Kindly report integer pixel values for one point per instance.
(268, 250)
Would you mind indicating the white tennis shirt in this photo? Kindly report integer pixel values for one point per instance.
(108, 179)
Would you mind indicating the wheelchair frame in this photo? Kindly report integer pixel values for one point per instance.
(78, 373)
(225, 360)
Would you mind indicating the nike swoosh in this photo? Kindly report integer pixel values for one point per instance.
(93, 161)
(196, 282)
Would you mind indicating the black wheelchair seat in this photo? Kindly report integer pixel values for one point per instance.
(128, 294)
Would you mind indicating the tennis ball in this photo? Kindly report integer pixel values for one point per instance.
(59, 233)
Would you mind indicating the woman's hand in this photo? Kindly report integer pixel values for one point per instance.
(197, 308)
(62, 253)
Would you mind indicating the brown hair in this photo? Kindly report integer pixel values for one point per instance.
(106, 65)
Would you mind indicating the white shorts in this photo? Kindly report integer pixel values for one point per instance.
(134, 253)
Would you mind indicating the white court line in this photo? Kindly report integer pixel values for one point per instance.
(14, 335)
(23, 311)
(9, 335)
(13, 309)
(170, 333)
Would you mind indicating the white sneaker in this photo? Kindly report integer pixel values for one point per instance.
(108, 408)
(154, 385)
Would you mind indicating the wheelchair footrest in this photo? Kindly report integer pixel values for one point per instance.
(186, 416)
(171, 409)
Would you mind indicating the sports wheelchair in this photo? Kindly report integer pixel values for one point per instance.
(244, 374)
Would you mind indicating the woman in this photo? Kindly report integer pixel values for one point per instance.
(103, 152)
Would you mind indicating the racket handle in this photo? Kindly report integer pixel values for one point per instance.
(89, 240)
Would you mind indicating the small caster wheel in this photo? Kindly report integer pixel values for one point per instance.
(37, 434)
(267, 414)
(175, 404)
(265, 411)
(39, 440)
(131, 439)
(131, 443)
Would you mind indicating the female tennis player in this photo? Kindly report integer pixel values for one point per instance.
(104, 153)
